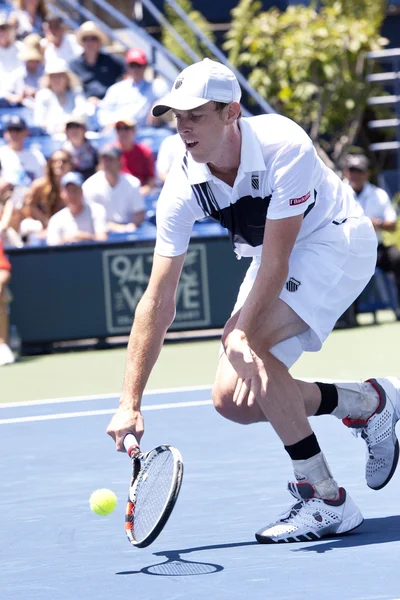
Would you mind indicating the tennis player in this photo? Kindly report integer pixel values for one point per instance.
(313, 251)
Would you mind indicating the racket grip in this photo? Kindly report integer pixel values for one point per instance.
(131, 444)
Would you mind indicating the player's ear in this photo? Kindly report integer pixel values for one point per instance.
(234, 112)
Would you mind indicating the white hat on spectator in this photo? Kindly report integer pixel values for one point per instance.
(59, 65)
(89, 28)
(30, 53)
(198, 84)
(56, 65)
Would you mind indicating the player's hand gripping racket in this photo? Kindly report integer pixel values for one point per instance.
(154, 489)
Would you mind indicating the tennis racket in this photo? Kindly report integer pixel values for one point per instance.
(155, 485)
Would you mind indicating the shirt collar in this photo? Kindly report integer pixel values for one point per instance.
(251, 158)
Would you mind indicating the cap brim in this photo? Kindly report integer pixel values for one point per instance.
(177, 102)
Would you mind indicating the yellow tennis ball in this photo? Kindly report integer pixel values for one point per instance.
(103, 502)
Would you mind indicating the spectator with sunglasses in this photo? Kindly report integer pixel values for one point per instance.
(44, 197)
(136, 159)
(96, 69)
(134, 96)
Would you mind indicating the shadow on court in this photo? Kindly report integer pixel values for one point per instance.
(177, 566)
(373, 531)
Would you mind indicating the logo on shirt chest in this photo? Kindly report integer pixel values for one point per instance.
(255, 181)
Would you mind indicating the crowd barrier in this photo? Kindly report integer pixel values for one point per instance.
(91, 290)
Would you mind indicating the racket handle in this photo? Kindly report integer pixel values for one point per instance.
(131, 444)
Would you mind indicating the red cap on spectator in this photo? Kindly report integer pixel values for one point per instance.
(136, 55)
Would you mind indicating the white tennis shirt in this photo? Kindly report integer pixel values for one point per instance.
(376, 204)
(280, 175)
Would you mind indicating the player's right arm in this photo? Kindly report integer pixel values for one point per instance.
(154, 314)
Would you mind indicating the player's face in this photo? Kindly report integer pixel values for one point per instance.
(202, 131)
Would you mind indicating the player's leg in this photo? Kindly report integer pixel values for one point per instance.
(286, 410)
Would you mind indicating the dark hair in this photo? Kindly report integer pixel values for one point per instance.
(219, 106)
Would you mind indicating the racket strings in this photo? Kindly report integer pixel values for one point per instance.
(152, 492)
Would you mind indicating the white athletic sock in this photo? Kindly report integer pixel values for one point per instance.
(315, 471)
(357, 401)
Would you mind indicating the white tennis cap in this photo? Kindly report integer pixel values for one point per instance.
(198, 84)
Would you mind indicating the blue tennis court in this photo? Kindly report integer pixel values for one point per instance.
(54, 454)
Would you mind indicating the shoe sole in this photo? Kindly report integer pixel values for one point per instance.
(305, 537)
(392, 470)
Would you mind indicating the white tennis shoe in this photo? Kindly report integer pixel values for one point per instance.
(379, 433)
(6, 356)
(310, 518)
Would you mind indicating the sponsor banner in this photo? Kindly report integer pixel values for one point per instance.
(127, 273)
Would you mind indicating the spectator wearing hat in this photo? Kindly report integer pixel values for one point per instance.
(118, 192)
(78, 221)
(30, 16)
(9, 49)
(83, 154)
(20, 166)
(59, 97)
(96, 69)
(43, 199)
(57, 42)
(26, 79)
(378, 207)
(134, 96)
(136, 159)
(6, 356)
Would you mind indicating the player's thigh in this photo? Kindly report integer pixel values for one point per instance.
(279, 331)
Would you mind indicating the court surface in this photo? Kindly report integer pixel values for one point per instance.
(54, 454)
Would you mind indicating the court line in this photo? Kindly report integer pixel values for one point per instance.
(108, 411)
(173, 390)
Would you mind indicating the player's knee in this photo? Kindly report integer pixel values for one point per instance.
(225, 406)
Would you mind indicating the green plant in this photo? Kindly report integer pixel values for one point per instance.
(187, 34)
(311, 64)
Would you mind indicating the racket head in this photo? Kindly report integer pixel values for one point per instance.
(155, 486)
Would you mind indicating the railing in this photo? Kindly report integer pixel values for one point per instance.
(391, 78)
(148, 4)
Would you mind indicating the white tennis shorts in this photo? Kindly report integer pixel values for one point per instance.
(327, 271)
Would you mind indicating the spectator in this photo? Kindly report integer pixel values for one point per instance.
(170, 147)
(44, 197)
(30, 16)
(136, 159)
(82, 153)
(9, 49)
(26, 79)
(133, 96)
(20, 166)
(378, 207)
(59, 97)
(118, 192)
(78, 221)
(57, 42)
(8, 235)
(96, 69)
(6, 356)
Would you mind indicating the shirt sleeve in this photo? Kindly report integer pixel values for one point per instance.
(292, 180)
(176, 214)
(54, 234)
(388, 212)
(99, 216)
